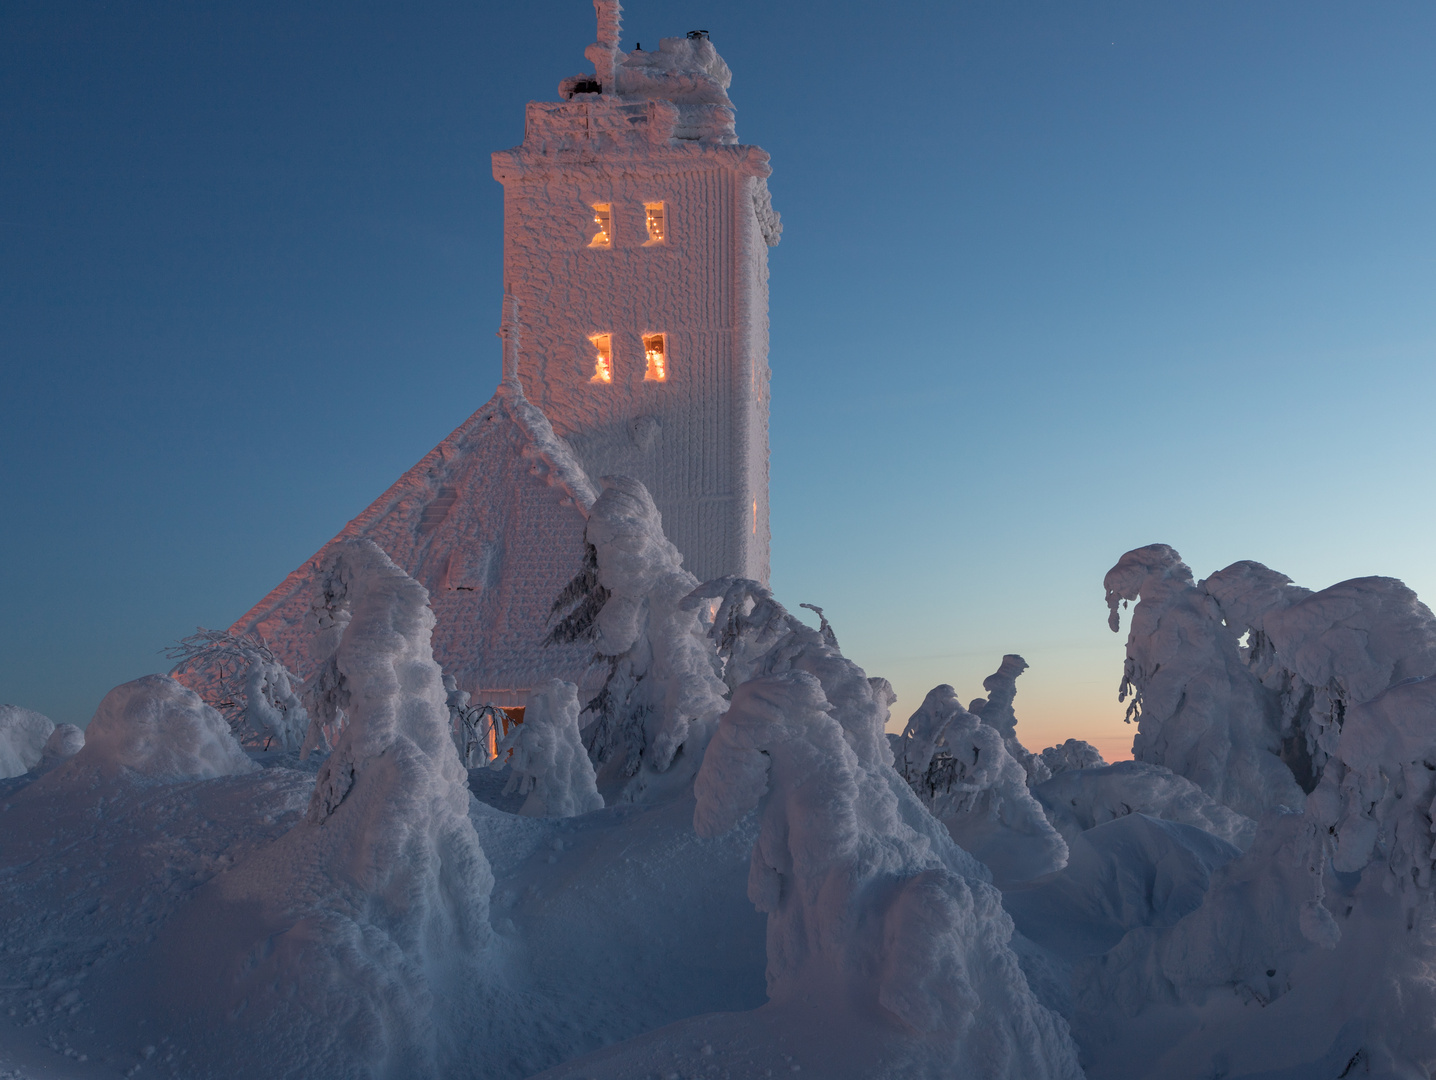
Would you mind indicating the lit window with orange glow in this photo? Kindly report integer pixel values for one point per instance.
(602, 226)
(655, 219)
(602, 357)
(655, 351)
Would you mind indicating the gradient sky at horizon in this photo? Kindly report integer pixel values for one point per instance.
(1056, 281)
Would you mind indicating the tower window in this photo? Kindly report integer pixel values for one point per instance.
(602, 225)
(655, 217)
(655, 351)
(602, 357)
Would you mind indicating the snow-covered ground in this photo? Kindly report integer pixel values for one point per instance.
(722, 866)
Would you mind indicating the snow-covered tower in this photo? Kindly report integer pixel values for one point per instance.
(635, 332)
(636, 231)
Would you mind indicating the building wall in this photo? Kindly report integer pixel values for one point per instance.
(699, 440)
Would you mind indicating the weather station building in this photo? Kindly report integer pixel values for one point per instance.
(635, 342)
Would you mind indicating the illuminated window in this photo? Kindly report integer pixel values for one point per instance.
(603, 226)
(655, 217)
(655, 351)
(602, 357)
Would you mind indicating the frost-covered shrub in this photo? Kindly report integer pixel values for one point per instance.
(662, 688)
(1072, 754)
(358, 935)
(1201, 711)
(547, 758)
(860, 906)
(473, 726)
(1081, 799)
(22, 739)
(156, 728)
(962, 770)
(240, 677)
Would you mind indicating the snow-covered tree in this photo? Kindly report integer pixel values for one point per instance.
(862, 909)
(367, 922)
(239, 676)
(546, 756)
(1201, 711)
(962, 769)
(662, 689)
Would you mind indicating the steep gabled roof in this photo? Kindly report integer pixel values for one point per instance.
(491, 522)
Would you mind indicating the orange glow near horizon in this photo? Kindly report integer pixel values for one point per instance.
(655, 351)
(603, 357)
(602, 219)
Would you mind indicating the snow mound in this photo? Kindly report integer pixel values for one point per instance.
(64, 743)
(859, 907)
(961, 767)
(1128, 872)
(22, 739)
(156, 728)
(1082, 799)
(548, 760)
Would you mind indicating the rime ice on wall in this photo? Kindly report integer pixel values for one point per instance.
(660, 135)
(490, 522)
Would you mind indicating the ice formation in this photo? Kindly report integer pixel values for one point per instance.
(860, 910)
(546, 758)
(23, 734)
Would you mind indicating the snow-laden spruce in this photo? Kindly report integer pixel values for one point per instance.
(1201, 710)
(374, 909)
(968, 778)
(546, 757)
(863, 915)
(23, 733)
(1327, 922)
(662, 688)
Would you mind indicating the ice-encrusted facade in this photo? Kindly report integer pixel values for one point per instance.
(631, 212)
(491, 522)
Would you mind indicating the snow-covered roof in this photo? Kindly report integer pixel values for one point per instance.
(491, 522)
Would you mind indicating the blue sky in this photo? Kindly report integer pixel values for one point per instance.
(1056, 281)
